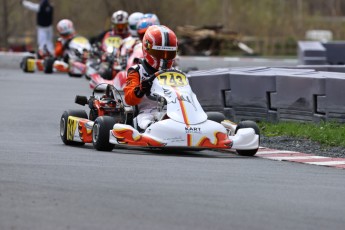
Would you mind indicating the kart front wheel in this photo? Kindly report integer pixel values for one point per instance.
(64, 125)
(248, 124)
(100, 133)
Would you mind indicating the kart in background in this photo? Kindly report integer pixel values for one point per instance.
(116, 75)
(102, 68)
(134, 58)
(74, 59)
(33, 62)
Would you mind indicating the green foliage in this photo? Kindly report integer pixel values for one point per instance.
(269, 22)
(326, 133)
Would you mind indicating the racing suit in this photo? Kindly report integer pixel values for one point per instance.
(146, 107)
(61, 45)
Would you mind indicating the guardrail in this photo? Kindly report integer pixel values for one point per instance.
(271, 94)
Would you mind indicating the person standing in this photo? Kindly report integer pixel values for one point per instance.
(44, 22)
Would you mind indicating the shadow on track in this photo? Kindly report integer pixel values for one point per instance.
(166, 152)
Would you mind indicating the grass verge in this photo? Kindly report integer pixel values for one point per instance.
(326, 133)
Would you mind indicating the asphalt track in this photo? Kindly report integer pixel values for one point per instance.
(47, 185)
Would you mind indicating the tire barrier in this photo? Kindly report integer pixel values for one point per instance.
(321, 53)
(271, 94)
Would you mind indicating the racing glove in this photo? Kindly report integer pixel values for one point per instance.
(143, 89)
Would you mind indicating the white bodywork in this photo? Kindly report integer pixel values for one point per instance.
(187, 124)
(78, 44)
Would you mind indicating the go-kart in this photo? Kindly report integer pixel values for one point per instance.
(32, 62)
(102, 69)
(74, 59)
(180, 123)
(76, 125)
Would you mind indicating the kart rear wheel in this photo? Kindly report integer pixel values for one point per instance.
(24, 65)
(248, 124)
(215, 116)
(100, 133)
(64, 123)
(48, 65)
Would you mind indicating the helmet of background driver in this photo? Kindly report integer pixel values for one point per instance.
(153, 17)
(143, 25)
(133, 20)
(159, 47)
(119, 21)
(65, 28)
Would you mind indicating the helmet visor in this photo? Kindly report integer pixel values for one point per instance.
(66, 35)
(121, 26)
(133, 27)
(160, 52)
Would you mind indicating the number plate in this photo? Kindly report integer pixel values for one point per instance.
(174, 79)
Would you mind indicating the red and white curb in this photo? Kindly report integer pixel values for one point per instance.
(284, 155)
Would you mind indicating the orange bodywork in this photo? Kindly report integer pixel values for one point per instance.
(84, 134)
(39, 64)
(104, 108)
(126, 136)
(60, 67)
(222, 141)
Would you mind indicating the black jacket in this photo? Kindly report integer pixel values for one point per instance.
(45, 14)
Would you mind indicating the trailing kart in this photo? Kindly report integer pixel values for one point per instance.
(76, 126)
(74, 59)
(180, 122)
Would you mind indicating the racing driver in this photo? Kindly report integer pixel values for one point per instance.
(66, 32)
(159, 50)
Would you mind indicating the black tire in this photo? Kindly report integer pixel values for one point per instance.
(215, 116)
(24, 64)
(74, 75)
(248, 124)
(100, 133)
(107, 74)
(63, 125)
(48, 65)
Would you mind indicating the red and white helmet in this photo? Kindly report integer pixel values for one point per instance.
(65, 28)
(119, 21)
(159, 47)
